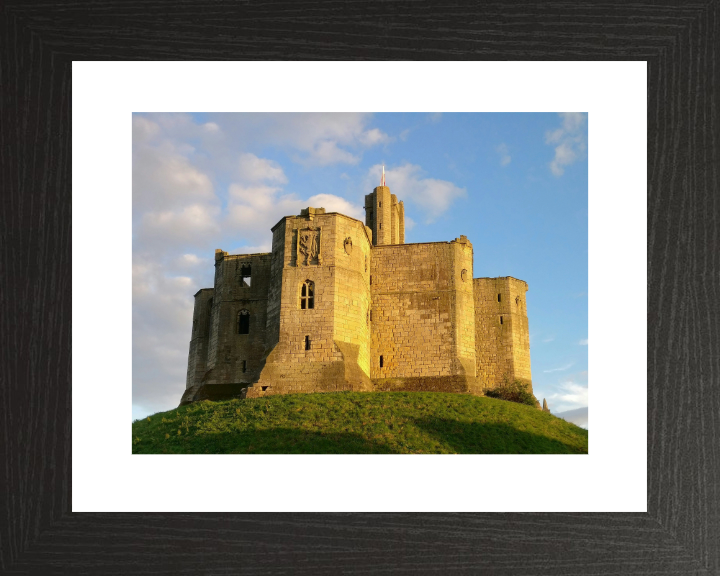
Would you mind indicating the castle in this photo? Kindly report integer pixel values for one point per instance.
(341, 305)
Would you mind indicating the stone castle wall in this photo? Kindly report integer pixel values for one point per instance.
(235, 357)
(502, 338)
(421, 329)
(197, 356)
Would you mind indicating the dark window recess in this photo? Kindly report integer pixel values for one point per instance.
(381, 361)
(243, 324)
(380, 225)
(244, 365)
(370, 279)
(264, 388)
(307, 295)
(500, 319)
(245, 274)
(307, 342)
(370, 315)
(499, 297)
(380, 204)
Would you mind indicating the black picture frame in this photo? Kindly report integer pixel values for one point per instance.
(681, 530)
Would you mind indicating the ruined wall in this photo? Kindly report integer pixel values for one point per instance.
(236, 358)
(502, 339)
(422, 323)
(336, 324)
(197, 357)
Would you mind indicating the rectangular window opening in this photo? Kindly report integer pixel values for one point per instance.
(501, 320)
(499, 297)
(244, 324)
(311, 302)
(307, 342)
(244, 365)
(381, 361)
(245, 274)
(302, 304)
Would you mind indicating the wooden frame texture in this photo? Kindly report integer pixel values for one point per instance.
(680, 533)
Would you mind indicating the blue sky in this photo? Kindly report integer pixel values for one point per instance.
(516, 184)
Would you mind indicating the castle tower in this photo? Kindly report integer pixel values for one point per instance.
(502, 336)
(385, 216)
(318, 333)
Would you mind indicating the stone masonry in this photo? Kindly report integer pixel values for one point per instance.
(341, 305)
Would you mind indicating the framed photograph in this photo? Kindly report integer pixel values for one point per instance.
(286, 253)
(75, 503)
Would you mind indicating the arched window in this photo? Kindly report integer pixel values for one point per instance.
(307, 295)
(243, 322)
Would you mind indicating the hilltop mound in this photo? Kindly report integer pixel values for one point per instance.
(358, 423)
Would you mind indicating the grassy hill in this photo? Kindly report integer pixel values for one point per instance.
(358, 423)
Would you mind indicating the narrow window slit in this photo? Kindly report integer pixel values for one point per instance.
(381, 361)
(307, 342)
(243, 322)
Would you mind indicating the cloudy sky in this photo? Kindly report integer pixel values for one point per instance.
(515, 184)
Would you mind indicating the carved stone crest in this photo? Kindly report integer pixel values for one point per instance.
(309, 245)
(348, 245)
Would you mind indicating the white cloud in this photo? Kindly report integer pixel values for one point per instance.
(262, 249)
(191, 225)
(558, 369)
(548, 339)
(310, 139)
(432, 196)
(374, 137)
(165, 178)
(144, 130)
(327, 152)
(254, 169)
(583, 342)
(502, 150)
(570, 393)
(333, 203)
(409, 223)
(571, 140)
(162, 319)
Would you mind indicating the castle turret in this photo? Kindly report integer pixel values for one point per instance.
(385, 216)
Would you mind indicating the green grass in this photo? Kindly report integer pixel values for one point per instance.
(358, 423)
